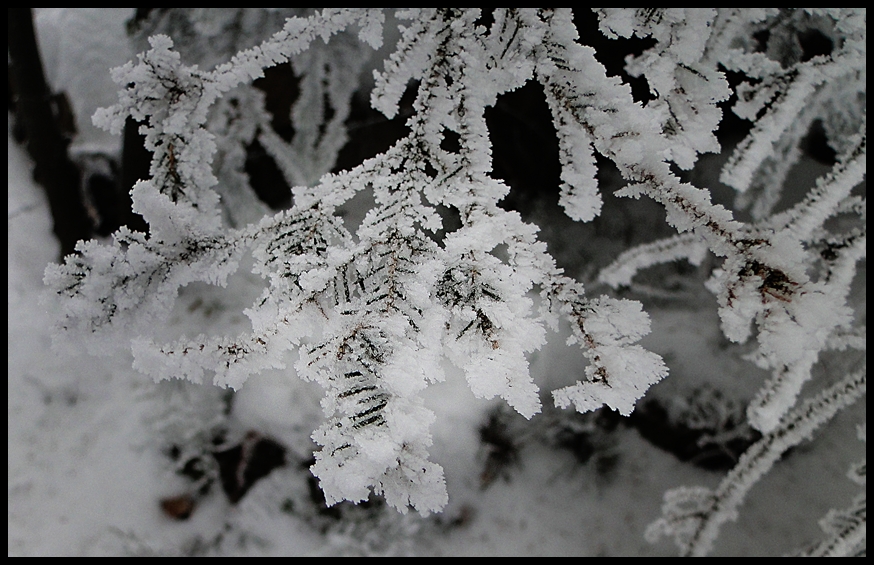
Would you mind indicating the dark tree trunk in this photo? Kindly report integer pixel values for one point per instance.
(46, 144)
(135, 162)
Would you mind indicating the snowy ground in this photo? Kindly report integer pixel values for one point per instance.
(85, 478)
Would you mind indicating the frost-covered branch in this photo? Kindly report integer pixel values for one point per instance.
(693, 516)
(371, 311)
(847, 529)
